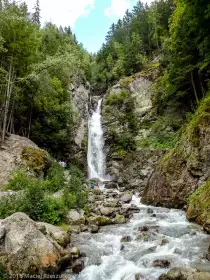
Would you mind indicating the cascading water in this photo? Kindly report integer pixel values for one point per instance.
(96, 156)
(170, 237)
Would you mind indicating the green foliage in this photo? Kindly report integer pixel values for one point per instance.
(117, 99)
(35, 158)
(200, 199)
(3, 275)
(35, 194)
(132, 40)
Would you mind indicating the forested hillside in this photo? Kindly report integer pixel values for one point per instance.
(178, 30)
(37, 66)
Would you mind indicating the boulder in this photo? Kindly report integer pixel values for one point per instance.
(178, 274)
(106, 211)
(75, 217)
(94, 229)
(100, 221)
(111, 185)
(25, 248)
(161, 263)
(78, 266)
(57, 233)
(112, 202)
(119, 219)
(75, 252)
(126, 198)
(138, 276)
(126, 239)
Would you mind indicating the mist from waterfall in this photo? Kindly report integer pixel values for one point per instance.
(96, 155)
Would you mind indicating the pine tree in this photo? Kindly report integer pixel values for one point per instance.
(36, 15)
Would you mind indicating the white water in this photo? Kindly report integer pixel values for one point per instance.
(96, 156)
(105, 260)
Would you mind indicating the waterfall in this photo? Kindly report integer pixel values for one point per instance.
(96, 156)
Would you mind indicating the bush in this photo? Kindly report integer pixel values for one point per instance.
(3, 275)
(34, 198)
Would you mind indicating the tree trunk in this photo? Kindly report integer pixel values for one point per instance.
(30, 119)
(194, 88)
(7, 101)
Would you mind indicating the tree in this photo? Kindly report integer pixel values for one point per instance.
(36, 18)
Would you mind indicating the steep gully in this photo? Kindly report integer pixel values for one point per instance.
(157, 239)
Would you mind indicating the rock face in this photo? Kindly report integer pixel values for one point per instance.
(80, 97)
(24, 248)
(131, 102)
(183, 169)
(10, 156)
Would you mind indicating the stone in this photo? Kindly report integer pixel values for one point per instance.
(119, 219)
(94, 229)
(112, 202)
(200, 276)
(143, 229)
(126, 198)
(181, 273)
(126, 239)
(161, 263)
(83, 228)
(111, 185)
(106, 211)
(57, 233)
(138, 276)
(78, 266)
(75, 217)
(75, 252)
(25, 248)
(164, 241)
(150, 211)
(122, 247)
(100, 221)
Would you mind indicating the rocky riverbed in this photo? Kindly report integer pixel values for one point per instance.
(157, 243)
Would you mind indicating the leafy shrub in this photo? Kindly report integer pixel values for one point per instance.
(35, 158)
(55, 179)
(34, 198)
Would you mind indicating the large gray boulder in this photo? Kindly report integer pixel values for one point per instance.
(57, 233)
(75, 217)
(26, 249)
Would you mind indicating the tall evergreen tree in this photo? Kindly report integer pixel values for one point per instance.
(36, 17)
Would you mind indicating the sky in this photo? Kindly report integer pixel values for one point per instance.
(90, 20)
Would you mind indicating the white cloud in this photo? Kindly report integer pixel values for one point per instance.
(118, 7)
(63, 12)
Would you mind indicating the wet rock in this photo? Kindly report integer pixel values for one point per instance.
(164, 277)
(181, 273)
(126, 198)
(200, 276)
(126, 239)
(75, 217)
(138, 276)
(208, 255)
(119, 220)
(122, 247)
(78, 266)
(150, 211)
(75, 252)
(94, 229)
(143, 236)
(164, 242)
(143, 229)
(161, 263)
(178, 251)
